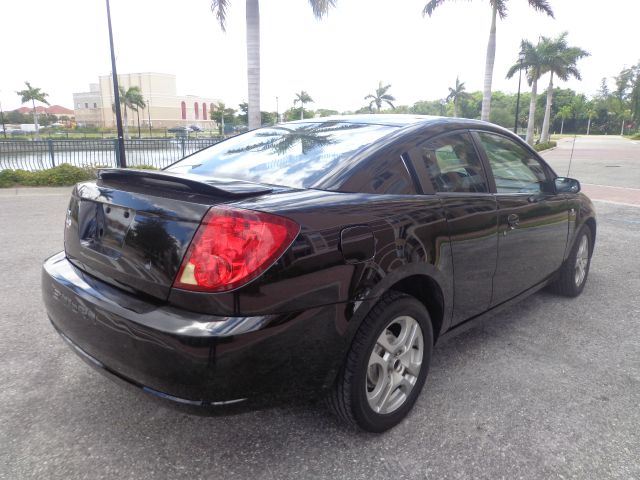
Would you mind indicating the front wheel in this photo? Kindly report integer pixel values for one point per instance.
(572, 276)
(386, 366)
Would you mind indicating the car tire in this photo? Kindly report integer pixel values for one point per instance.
(573, 274)
(386, 366)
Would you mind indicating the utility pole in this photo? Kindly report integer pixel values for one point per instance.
(122, 161)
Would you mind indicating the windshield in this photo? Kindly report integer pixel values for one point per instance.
(294, 155)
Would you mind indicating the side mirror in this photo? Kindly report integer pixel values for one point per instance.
(567, 185)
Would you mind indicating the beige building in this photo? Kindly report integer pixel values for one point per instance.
(164, 107)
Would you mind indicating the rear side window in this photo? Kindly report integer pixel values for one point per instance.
(297, 155)
(514, 168)
(452, 164)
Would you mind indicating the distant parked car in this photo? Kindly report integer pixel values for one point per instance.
(196, 128)
(179, 131)
(319, 258)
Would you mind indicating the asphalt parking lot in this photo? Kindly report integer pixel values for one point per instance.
(549, 388)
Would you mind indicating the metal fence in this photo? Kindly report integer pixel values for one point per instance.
(42, 154)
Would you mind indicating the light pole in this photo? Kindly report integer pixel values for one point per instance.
(521, 59)
(116, 96)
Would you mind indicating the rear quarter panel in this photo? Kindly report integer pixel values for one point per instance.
(411, 237)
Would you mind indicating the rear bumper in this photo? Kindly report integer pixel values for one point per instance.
(188, 357)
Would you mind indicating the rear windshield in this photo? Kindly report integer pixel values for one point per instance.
(296, 155)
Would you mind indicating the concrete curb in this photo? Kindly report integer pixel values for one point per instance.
(34, 191)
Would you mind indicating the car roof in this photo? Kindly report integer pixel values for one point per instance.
(391, 119)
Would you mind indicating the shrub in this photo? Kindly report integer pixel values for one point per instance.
(544, 146)
(61, 175)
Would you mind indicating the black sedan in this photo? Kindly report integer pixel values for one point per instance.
(320, 258)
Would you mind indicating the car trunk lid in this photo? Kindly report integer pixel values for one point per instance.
(131, 228)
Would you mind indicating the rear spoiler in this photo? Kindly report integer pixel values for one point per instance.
(183, 181)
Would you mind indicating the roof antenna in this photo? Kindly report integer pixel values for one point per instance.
(571, 157)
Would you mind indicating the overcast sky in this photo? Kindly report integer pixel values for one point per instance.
(63, 46)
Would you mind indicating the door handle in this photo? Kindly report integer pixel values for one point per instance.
(536, 197)
(513, 221)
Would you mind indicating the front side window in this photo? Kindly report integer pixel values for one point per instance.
(514, 168)
(452, 164)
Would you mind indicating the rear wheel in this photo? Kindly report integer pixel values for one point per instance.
(573, 273)
(386, 366)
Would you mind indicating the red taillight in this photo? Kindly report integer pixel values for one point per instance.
(232, 247)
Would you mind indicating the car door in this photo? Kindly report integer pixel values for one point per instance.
(450, 167)
(533, 220)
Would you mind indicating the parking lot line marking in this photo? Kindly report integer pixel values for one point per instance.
(616, 203)
(610, 186)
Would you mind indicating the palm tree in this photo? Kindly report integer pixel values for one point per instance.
(130, 99)
(456, 94)
(302, 97)
(33, 95)
(561, 60)
(591, 114)
(219, 8)
(532, 63)
(136, 100)
(564, 113)
(380, 96)
(498, 8)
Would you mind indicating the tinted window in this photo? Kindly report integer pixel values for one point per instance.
(297, 155)
(452, 164)
(515, 169)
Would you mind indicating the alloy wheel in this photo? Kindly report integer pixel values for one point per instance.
(394, 364)
(582, 261)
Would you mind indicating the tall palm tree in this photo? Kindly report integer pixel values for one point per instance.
(302, 97)
(219, 8)
(131, 99)
(33, 95)
(137, 102)
(533, 63)
(561, 60)
(456, 95)
(380, 96)
(498, 8)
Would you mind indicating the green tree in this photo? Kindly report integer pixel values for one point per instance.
(33, 95)
(591, 114)
(219, 9)
(131, 99)
(457, 95)
(302, 97)
(244, 113)
(533, 63)
(269, 118)
(219, 113)
(565, 113)
(498, 8)
(560, 60)
(325, 112)
(380, 96)
(427, 107)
